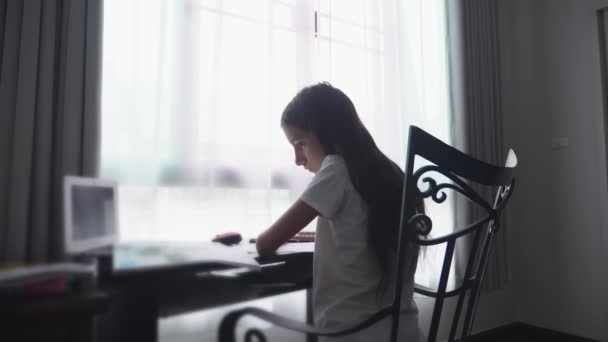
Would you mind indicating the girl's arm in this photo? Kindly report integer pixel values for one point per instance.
(292, 221)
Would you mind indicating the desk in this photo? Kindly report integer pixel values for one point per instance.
(141, 296)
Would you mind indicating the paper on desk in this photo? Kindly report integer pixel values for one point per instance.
(30, 274)
(288, 248)
(297, 247)
(133, 257)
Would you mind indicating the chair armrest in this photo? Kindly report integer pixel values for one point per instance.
(423, 290)
(429, 292)
(454, 235)
(227, 331)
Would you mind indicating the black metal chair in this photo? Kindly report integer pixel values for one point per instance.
(463, 171)
(459, 168)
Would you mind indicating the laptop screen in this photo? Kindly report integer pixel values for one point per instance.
(90, 213)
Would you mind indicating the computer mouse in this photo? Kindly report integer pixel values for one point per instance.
(229, 238)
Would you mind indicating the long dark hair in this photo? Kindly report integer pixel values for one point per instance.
(331, 116)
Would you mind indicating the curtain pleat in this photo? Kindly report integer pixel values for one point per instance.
(43, 195)
(481, 117)
(20, 167)
(49, 93)
(3, 4)
(8, 91)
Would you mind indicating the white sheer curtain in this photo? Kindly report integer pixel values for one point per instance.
(192, 94)
(193, 91)
(426, 103)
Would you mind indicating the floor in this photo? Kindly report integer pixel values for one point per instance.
(202, 326)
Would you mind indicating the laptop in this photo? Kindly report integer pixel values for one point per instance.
(90, 215)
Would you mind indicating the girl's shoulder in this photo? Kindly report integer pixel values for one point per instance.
(334, 167)
(334, 162)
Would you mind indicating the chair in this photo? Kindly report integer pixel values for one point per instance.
(459, 168)
(462, 170)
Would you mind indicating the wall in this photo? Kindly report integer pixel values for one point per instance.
(551, 89)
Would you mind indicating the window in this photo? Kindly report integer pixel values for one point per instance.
(193, 90)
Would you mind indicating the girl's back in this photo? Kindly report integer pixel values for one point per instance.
(346, 274)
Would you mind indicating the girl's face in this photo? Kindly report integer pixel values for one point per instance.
(307, 149)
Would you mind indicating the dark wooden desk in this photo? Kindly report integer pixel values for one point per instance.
(140, 298)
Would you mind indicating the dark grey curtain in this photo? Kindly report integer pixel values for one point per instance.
(477, 121)
(50, 55)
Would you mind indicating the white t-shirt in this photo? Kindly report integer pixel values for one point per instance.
(345, 273)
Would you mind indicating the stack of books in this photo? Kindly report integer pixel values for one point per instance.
(304, 236)
(56, 278)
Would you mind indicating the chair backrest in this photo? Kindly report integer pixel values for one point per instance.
(458, 171)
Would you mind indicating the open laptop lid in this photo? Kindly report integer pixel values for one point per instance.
(90, 213)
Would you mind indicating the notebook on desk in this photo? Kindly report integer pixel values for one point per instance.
(137, 257)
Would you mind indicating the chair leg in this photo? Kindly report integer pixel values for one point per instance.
(309, 315)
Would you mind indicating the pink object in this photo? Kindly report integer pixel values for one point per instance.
(49, 286)
(229, 238)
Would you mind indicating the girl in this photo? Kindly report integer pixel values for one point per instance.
(356, 195)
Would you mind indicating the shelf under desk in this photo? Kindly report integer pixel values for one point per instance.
(52, 317)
